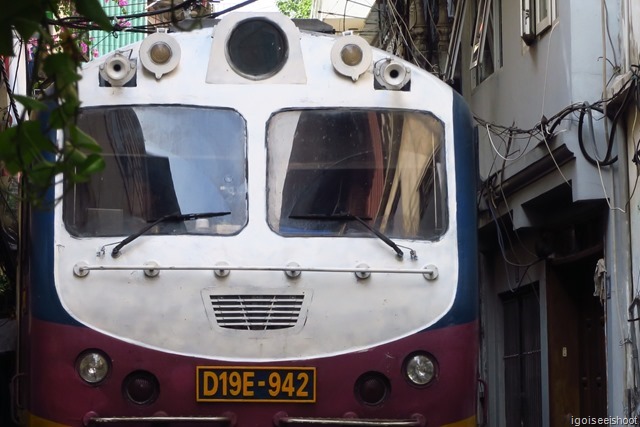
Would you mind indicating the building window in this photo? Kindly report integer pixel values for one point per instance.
(486, 49)
(537, 16)
(522, 365)
(543, 15)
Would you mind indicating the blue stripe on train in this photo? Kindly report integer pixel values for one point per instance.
(44, 300)
(465, 306)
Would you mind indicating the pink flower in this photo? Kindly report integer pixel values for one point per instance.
(32, 46)
(123, 3)
(95, 53)
(84, 47)
(123, 23)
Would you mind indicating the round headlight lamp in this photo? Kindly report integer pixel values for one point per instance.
(159, 53)
(351, 56)
(93, 366)
(420, 369)
(257, 48)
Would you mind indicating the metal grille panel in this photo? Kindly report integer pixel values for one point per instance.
(256, 312)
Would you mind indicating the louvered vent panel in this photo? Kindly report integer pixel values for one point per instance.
(256, 312)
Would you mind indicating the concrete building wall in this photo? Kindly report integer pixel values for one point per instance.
(563, 66)
(570, 63)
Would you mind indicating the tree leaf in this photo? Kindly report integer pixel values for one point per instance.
(64, 114)
(41, 174)
(80, 139)
(73, 156)
(6, 40)
(8, 153)
(27, 28)
(31, 135)
(24, 16)
(92, 10)
(31, 103)
(61, 67)
(92, 164)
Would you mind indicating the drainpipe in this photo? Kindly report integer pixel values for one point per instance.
(620, 384)
(633, 377)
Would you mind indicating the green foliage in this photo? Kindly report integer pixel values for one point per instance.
(30, 17)
(5, 284)
(28, 148)
(295, 8)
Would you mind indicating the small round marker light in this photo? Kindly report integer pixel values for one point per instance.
(93, 366)
(160, 53)
(351, 54)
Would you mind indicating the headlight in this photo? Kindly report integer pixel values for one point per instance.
(159, 53)
(257, 49)
(351, 56)
(93, 366)
(420, 368)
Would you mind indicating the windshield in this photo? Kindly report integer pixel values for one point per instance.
(161, 160)
(385, 167)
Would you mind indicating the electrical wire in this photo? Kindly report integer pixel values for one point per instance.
(5, 80)
(495, 149)
(506, 261)
(546, 67)
(344, 17)
(400, 23)
(548, 128)
(83, 24)
(544, 131)
(634, 160)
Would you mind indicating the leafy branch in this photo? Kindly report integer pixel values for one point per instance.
(295, 8)
(52, 103)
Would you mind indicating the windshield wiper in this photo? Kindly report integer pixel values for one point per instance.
(350, 217)
(167, 218)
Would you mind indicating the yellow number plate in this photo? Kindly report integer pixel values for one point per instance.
(255, 384)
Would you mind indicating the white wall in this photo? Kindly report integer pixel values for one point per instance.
(563, 67)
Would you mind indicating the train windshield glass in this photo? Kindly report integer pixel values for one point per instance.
(386, 167)
(161, 160)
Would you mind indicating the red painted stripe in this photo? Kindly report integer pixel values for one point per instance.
(59, 395)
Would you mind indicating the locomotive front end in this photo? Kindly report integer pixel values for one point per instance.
(283, 234)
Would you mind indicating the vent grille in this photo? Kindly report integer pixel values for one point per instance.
(256, 312)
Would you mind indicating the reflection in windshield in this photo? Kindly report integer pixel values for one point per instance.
(384, 165)
(161, 160)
